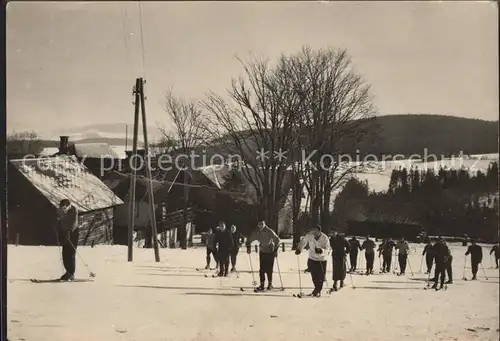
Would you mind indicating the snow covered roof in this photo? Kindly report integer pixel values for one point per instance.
(63, 177)
(95, 150)
(49, 151)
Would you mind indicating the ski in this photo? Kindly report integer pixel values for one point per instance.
(78, 280)
(203, 269)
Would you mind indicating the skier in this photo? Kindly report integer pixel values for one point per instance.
(238, 240)
(319, 246)
(403, 250)
(211, 249)
(385, 249)
(369, 247)
(355, 246)
(496, 251)
(476, 257)
(224, 245)
(268, 250)
(340, 249)
(441, 257)
(68, 234)
(429, 256)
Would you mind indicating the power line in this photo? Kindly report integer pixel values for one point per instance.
(142, 40)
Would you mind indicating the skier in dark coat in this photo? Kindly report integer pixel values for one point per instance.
(224, 245)
(355, 247)
(268, 251)
(476, 257)
(429, 256)
(68, 233)
(385, 249)
(441, 254)
(369, 247)
(340, 249)
(238, 240)
(403, 251)
(496, 251)
(211, 249)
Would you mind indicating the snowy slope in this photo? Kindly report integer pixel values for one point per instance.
(172, 301)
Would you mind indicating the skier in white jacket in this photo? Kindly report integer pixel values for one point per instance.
(319, 248)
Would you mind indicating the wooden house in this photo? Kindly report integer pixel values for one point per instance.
(35, 188)
(168, 200)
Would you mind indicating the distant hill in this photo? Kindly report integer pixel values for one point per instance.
(396, 134)
(411, 134)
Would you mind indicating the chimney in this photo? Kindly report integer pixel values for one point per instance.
(63, 144)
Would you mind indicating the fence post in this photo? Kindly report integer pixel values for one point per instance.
(283, 246)
(17, 239)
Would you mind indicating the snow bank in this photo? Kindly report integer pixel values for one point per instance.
(170, 300)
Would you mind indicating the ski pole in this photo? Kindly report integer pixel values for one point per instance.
(421, 263)
(254, 282)
(409, 265)
(465, 263)
(350, 275)
(300, 280)
(279, 273)
(91, 274)
(484, 272)
(323, 270)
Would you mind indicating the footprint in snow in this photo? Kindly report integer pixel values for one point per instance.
(121, 331)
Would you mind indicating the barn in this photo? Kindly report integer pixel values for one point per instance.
(35, 188)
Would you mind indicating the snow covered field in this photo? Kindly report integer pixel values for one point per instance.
(170, 300)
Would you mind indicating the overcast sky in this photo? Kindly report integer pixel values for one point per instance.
(72, 64)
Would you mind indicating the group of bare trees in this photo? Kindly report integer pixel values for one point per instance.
(298, 116)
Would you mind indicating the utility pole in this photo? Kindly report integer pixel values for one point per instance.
(148, 174)
(133, 166)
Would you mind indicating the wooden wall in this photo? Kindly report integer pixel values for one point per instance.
(96, 227)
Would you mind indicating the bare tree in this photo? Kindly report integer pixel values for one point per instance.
(338, 113)
(259, 123)
(186, 134)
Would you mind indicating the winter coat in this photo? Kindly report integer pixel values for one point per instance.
(355, 246)
(224, 240)
(403, 248)
(340, 247)
(267, 238)
(476, 253)
(369, 246)
(321, 243)
(238, 240)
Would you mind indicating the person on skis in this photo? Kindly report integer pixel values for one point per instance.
(211, 249)
(385, 249)
(441, 253)
(224, 245)
(68, 233)
(403, 250)
(340, 249)
(355, 247)
(476, 257)
(238, 240)
(369, 247)
(429, 256)
(319, 246)
(495, 250)
(268, 250)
